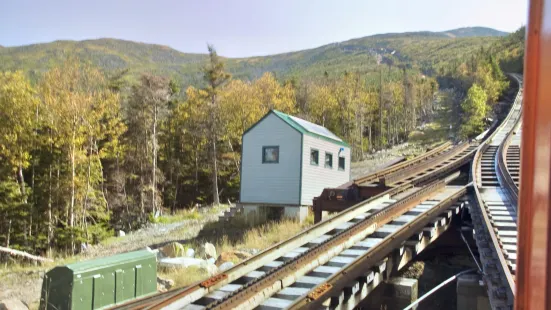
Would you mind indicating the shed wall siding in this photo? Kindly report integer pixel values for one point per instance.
(316, 178)
(271, 183)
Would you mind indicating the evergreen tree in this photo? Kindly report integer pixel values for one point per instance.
(216, 77)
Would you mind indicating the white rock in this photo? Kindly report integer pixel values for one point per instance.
(225, 266)
(164, 284)
(173, 249)
(121, 233)
(211, 269)
(12, 304)
(211, 260)
(181, 262)
(210, 250)
(190, 252)
(156, 251)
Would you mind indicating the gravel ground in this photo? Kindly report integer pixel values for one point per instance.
(24, 283)
(155, 234)
(378, 160)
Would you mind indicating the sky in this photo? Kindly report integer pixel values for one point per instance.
(239, 28)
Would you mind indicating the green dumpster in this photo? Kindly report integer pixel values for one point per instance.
(100, 283)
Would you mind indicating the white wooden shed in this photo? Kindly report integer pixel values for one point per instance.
(287, 161)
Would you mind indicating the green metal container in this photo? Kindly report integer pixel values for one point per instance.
(100, 283)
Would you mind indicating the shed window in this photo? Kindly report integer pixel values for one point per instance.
(341, 163)
(270, 154)
(328, 160)
(314, 157)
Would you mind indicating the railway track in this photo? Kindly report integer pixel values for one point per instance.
(513, 155)
(373, 178)
(337, 262)
(208, 293)
(495, 173)
(374, 233)
(336, 242)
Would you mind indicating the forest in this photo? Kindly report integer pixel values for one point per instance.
(85, 151)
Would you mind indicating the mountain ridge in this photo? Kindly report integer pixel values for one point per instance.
(416, 48)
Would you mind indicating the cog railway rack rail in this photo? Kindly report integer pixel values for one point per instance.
(385, 219)
(496, 195)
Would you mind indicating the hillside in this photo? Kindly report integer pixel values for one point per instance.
(474, 32)
(421, 49)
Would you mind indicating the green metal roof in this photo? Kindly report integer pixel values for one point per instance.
(109, 260)
(311, 129)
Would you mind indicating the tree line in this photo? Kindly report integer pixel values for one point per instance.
(83, 153)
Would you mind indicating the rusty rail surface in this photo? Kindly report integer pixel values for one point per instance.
(178, 298)
(375, 176)
(426, 164)
(333, 286)
(268, 284)
(498, 276)
(430, 169)
(197, 290)
(184, 296)
(503, 171)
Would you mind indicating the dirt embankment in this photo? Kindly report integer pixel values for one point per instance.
(24, 282)
(376, 161)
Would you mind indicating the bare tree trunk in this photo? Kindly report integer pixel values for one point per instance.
(23, 190)
(21, 180)
(50, 228)
(57, 185)
(196, 173)
(361, 135)
(72, 210)
(85, 208)
(8, 239)
(235, 161)
(175, 194)
(103, 190)
(9, 234)
(215, 197)
(369, 143)
(23, 254)
(154, 180)
(142, 200)
(381, 109)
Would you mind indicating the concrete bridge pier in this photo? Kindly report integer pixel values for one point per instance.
(471, 293)
(393, 294)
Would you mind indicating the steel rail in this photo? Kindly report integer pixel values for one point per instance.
(254, 293)
(494, 263)
(503, 171)
(500, 281)
(504, 175)
(202, 288)
(401, 174)
(184, 296)
(334, 285)
(187, 295)
(374, 177)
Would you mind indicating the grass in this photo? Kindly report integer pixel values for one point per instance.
(433, 133)
(263, 236)
(238, 234)
(178, 216)
(183, 276)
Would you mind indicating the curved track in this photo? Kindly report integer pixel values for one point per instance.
(293, 268)
(319, 249)
(337, 262)
(495, 219)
